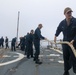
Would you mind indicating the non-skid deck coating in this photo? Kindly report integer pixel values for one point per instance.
(52, 63)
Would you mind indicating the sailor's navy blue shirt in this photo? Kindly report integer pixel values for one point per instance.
(37, 34)
(69, 31)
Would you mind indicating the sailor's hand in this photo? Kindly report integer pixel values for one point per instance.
(55, 39)
(72, 42)
(45, 38)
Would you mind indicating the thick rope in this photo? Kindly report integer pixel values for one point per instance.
(65, 42)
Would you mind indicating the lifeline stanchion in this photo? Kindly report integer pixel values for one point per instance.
(65, 42)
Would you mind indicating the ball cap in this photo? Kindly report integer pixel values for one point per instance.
(67, 10)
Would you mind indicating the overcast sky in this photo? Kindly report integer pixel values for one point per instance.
(32, 12)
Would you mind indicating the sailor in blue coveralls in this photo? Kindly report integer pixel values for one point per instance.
(13, 44)
(37, 38)
(29, 44)
(68, 28)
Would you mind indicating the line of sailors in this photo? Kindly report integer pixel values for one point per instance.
(26, 44)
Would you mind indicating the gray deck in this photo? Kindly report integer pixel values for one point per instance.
(25, 66)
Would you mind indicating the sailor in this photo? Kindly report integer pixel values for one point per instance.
(2, 42)
(13, 44)
(37, 38)
(6, 42)
(68, 28)
(29, 44)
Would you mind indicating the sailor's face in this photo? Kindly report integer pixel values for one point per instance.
(32, 32)
(40, 27)
(68, 14)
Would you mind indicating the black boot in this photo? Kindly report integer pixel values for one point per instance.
(38, 62)
(66, 73)
(74, 68)
(35, 59)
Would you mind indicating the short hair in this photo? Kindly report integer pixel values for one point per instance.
(40, 25)
(67, 9)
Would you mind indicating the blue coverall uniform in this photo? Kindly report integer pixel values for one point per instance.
(69, 34)
(29, 45)
(37, 37)
(13, 43)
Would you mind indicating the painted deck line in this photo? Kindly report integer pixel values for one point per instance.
(21, 56)
(61, 62)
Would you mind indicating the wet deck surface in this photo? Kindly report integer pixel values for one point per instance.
(52, 63)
